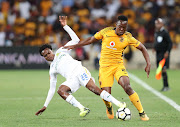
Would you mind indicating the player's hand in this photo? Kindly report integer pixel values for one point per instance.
(63, 20)
(166, 55)
(147, 69)
(69, 47)
(40, 111)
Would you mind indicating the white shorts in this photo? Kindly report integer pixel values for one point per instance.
(80, 77)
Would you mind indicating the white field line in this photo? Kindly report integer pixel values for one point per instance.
(163, 97)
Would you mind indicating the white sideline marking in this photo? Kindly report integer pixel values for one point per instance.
(146, 86)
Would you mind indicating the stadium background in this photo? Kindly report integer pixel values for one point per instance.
(35, 22)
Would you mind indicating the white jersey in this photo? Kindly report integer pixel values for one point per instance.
(62, 64)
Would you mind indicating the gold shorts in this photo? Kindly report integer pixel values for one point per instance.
(107, 74)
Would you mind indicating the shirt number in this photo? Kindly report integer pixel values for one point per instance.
(84, 76)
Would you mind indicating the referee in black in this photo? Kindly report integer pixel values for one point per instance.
(162, 46)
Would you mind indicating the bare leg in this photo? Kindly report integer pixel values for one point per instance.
(124, 82)
(133, 96)
(92, 87)
(63, 91)
(102, 93)
(107, 97)
(108, 89)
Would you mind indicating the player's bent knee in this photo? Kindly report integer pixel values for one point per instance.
(59, 91)
(128, 89)
(92, 87)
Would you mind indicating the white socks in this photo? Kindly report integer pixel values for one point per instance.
(104, 95)
(108, 97)
(70, 99)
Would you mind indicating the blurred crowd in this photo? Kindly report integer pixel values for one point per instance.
(35, 22)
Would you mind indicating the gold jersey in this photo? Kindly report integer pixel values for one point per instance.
(114, 45)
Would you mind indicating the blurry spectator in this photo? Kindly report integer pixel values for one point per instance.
(51, 17)
(41, 30)
(19, 24)
(5, 8)
(83, 13)
(67, 4)
(30, 28)
(45, 6)
(81, 54)
(98, 11)
(160, 2)
(9, 36)
(57, 6)
(131, 16)
(112, 7)
(87, 17)
(52, 38)
(11, 17)
(2, 33)
(1, 15)
(24, 8)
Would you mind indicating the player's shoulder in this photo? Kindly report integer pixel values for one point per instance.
(107, 29)
(165, 31)
(60, 50)
(128, 34)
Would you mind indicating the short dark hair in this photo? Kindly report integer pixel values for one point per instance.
(44, 47)
(123, 18)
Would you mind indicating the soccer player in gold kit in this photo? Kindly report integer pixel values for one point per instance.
(114, 41)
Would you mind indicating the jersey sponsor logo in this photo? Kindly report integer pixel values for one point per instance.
(121, 39)
(84, 77)
(159, 39)
(57, 54)
(112, 44)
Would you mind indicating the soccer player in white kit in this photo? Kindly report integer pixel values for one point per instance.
(76, 75)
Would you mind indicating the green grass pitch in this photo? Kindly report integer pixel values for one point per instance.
(23, 93)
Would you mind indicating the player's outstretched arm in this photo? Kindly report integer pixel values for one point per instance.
(72, 34)
(82, 43)
(53, 80)
(41, 111)
(143, 49)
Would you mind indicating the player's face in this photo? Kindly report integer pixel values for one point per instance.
(48, 54)
(158, 25)
(121, 27)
